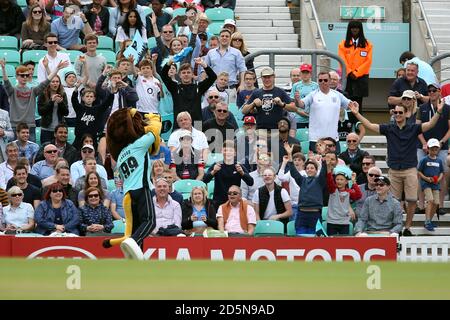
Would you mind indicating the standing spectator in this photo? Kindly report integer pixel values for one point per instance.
(271, 202)
(68, 27)
(198, 212)
(31, 194)
(237, 41)
(11, 18)
(402, 154)
(431, 172)
(218, 129)
(18, 216)
(410, 81)
(163, 41)
(356, 51)
(56, 213)
(27, 148)
(263, 162)
(162, 17)
(353, 156)
(34, 29)
(90, 64)
(269, 103)
(367, 189)
(226, 173)
(381, 213)
(70, 79)
(426, 72)
(167, 210)
(236, 215)
(249, 88)
(52, 107)
(117, 14)
(45, 168)
(65, 149)
(247, 143)
(7, 167)
(323, 106)
(283, 137)
(98, 17)
(335, 82)
(367, 163)
(300, 90)
(187, 162)
(148, 89)
(55, 8)
(6, 133)
(294, 76)
(52, 59)
(95, 218)
(130, 26)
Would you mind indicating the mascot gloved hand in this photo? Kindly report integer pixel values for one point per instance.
(130, 138)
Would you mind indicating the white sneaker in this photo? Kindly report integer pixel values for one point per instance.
(131, 250)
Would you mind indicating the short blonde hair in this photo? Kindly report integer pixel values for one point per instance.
(205, 193)
(184, 114)
(14, 190)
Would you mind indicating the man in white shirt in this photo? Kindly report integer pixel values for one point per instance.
(77, 168)
(53, 57)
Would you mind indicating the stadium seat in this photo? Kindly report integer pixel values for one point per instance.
(305, 147)
(291, 229)
(185, 186)
(71, 135)
(219, 14)
(33, 55)
(11, 56)
(350, 229)
(302, 134)
(8, 42)
(119, 226)
(11, 71)
(109, 55)
(213, 158)
(179, 12)
(324, 214)
(111, 185)
(215, 27)
(167, 128)
(269, 228)
(73, 55)
(105, 43)
(22, 3)
(211, 189)
(151, 43)
(147, 11)
(343, 145)
(38, 135)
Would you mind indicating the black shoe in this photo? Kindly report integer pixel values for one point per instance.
(419, 211)
(407, 233)
(441, 211)
(106, 244)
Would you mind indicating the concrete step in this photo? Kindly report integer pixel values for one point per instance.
(373, 139)
(278, 59)
(421, 218)
(261, 9)
(264, 16)
(266, 30)
(441, 231)
(274, 44)
(432, 12)
(269, 37)
(264, 23)
(259, 3)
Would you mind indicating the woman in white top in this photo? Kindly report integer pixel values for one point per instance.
(117, 15)
(130, 26)
(18, 216)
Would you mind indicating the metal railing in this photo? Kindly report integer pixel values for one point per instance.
(435, 60)
(427, 24)
(302, 52)
(315, 17)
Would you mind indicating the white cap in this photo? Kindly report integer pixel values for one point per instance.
(88, 146)
(185, 133)
(433, 143)
(229, 21)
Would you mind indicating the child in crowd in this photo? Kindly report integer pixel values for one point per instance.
(221, 86)
(300, 90)
(431, 172)
(70, 79)
(249, 87)
(148, 89)
(339, 208)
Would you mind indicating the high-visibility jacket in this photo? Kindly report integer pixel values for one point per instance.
(357, 60)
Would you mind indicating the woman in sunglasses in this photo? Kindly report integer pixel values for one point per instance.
(94, 216)
(93, 180)
(56, 213)
(18, 216)
(34, 29)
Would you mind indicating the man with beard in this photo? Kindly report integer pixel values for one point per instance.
(284, 126)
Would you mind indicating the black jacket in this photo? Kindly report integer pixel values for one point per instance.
(45, 110)
(186, 209)
(70, 154)
(104, 17)
(354, 163)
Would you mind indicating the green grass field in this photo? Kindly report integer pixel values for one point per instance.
(170, 280)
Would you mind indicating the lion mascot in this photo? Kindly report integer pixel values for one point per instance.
(131, 139)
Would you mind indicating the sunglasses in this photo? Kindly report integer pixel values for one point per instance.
(323, 80)
(352, 141)
(329, 145)
(398, 112)
(367, 163)
(406, 98)
(51, 151)
(213, 97)
(52, 42)
(96, 195)
(233, 193)
(433, 90)
(374, 175)
(167, 31)
(57, 190)
(17, 195)
(222, 111)
(24, 75)
(87, 150)
(380, 184)
(37, 11)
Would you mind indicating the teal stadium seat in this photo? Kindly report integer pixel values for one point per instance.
(111, 185)
(119, 226)
(219, 14)
(105, 43)
(109, 55)
(215, 27)
(213, 158)
(151, 43)
(165, 119)
(269, 228)
(185, 186)
(22, 3)
(211, 189)
(302, 134)
(179, 12)
(11, 71)
(343, 145)
(38, 135)
(291, 229)
(305, 147)
(324, 213)
(11, 56)
(8, 42)
(34, 55)
(147, 11)
(73, 55)
(71, 135)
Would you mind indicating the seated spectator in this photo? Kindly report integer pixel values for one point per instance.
(18, 216)
(230, 24)
(263, 162)
(198, 212)
(203, 23)
(31, 193)
(77, 169)
(187, 162)
(55, 8)
(93, 180)
(11, 18)
(246, 143)
(130, 26)
(90, 166)
(68, 36)
(117, 14)
(213, 42)
(65, 149)
(63, 177)
(367, 189)
(335, 82)
(176, 4)
(52, 59)
(213, 98)
(218, 129)
(170, 178)
(27, 148)
(56, 213)
(381, 213)
(236, 215)
(426, 72)
(163, 154)
(162, 17)
(250, 83)
(45, 168)
(32, 179)
(98, 17)
(367, 162)
(353, 156)
(221, 87)
(157, 170)
(167, 210)
(95, 218)
(34, 29)
(400, 73)
(117, 195)
(60, 162)
(7, 166)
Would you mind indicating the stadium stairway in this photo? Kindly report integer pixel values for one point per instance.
(268, 24)
(376, 146)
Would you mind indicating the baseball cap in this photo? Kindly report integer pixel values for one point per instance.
(89, 146)
(384, 180)
(249, 120)
(343, 170)
(408, 94)
(306, 67)
(229, 21)
(436, 85)
(185, 133)
(433, 143)
(267, 71)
